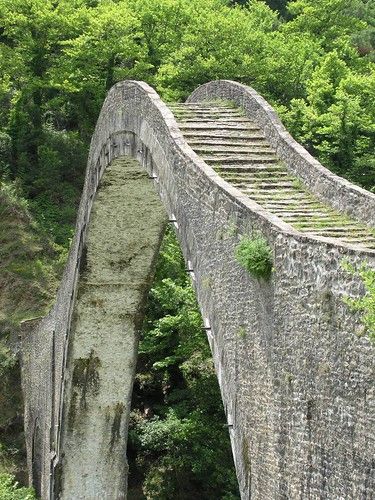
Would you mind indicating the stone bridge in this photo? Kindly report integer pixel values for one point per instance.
(296, 372)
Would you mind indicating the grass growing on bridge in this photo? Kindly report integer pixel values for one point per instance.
(365, 304)
(255, 255)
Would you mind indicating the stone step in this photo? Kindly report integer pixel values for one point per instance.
(365, 242)
(252, 179)
(204, 109)
(316, 218)
(256, 176)
(211, 134)
(237, 149)
(334, 229)
(305, 216)
(275, 206)
(232, 150)
(264, 185)
(206, 106)
(245, 142)
(230, 169)
(210, 116)
(209, 120)
(370, 242)
(308, 211)
(225, 159)
(269, 194)
(214, 126)
(240, 167)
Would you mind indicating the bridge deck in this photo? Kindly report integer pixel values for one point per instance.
(237, 149)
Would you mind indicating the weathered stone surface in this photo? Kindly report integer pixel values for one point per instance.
(124, 234)
(297, 380)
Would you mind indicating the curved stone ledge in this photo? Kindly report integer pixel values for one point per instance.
(334, 190)
(135, 122)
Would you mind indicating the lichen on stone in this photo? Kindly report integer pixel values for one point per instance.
(116, 425)
(86, 376)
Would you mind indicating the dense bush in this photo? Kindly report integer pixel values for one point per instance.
(255, 255)
(10, 490)
(178, 443)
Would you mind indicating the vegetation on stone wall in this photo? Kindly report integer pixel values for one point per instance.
(255, 255)
(314, 60)
(364, 304)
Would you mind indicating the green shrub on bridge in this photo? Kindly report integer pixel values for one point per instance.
(255, 255)
(365, 304)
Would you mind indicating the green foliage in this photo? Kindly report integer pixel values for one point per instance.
(365, 304)
(237, 58)
(336, 121)
(10, 388)
(58, 59)
(30, 263)
(178, 444)
(10, 490)
(255, 255)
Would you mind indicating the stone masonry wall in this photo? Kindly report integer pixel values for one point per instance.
(296, 375)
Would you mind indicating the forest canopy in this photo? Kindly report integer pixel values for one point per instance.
(312, 59)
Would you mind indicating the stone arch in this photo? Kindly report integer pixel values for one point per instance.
(284, 384)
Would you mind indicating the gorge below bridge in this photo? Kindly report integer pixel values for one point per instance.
(295, 370)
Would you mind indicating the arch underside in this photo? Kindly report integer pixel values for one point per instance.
(296, 381)
(124, 234)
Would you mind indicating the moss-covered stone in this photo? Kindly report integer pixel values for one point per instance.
(116, 425)
(86, 376)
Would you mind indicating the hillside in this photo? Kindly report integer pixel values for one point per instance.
(29, 272)
(29, 262)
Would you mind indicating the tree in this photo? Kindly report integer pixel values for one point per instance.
(177, 416)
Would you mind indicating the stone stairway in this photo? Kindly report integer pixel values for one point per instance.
(237, 149)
